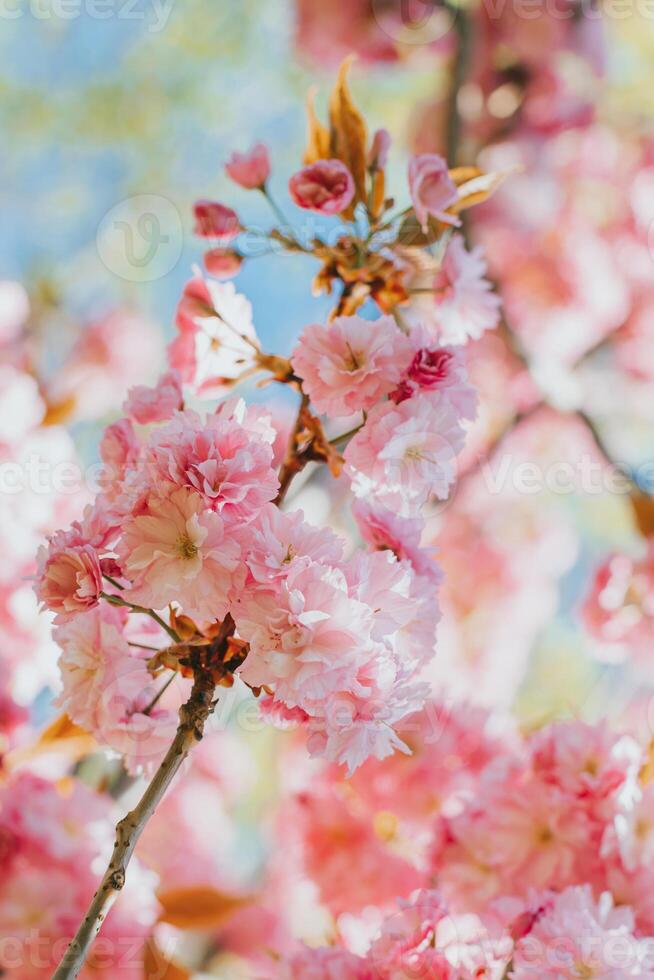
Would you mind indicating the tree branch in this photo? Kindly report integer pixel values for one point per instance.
(459, 72)
(192, 718)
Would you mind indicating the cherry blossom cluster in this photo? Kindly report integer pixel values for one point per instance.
(540, 848)
(52, 837)
(187, 527)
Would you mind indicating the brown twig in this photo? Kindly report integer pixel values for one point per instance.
(192, 718)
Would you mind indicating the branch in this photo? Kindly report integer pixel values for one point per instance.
(192, 719)
(459, 72)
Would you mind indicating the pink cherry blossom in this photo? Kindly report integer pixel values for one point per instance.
(325, 186)
(250, 170)
(466, 305)
(350, 364)
(69, 578)
(90, 643)
(217, 341)
(226, 458)
(146, 405)
(177, 550)
(382, 528)
(408, 944)
(215, 220)
(406, 453)
(440, 369)
(578, 935)
(307, 636)
(322, 816)
(432, 189)
(280, 540)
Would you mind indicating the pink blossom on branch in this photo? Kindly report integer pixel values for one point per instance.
(432, 189)
(69, 578)
(349, 365)
(215, 220)
(250, 170)
(406, 453)
(177, 550)
(146, 405)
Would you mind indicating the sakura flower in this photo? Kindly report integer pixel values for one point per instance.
(217, 340)
(325, 186)
(250, 170)
(178, 551)
(465, 304)
(126, 720)
(382, 528)
(350, 364)
(214, 220)
(227, 459)
(146, 405)
(588, 760)
(432, 189)
(69, 578)
(90, 643)
(579, 936)
(279, 540)
(437, 369)
(408, 944)
(335, 835)
(307, 636)
(406, 453)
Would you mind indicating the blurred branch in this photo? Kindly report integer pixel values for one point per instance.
(462, 27)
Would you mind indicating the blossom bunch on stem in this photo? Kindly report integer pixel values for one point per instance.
(188, 533)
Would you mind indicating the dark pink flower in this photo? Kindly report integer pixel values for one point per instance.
(214, 220)
(326, 186)
(250, 170)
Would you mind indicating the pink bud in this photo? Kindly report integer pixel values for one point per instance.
(378, 154)
(432, 189)
(250, 170)
(214, 220)
(223, 263)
